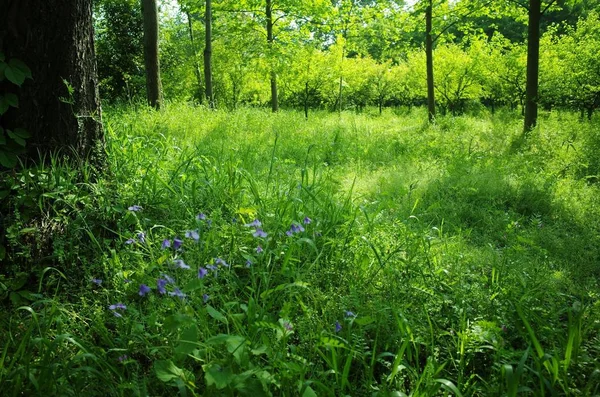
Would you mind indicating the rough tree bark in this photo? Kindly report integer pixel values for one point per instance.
(533, 65)
(270, 40)
(208, 54)
(429, 56)
(60, 107)
(151, 61)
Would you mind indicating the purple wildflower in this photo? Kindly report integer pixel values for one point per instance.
(296, 228)
(338, 326)
(211, 267)
(135, 208)
(219, 261)
(254, 223)
(202, 272)
(117, 306)
(259, 249)
(177, 243)
(348, 313)
(141, 236)
(144, 289)
(288, 327)
(205, 297)
(166, 243)
(248, 263)
(130, 241)
(177, 292)
(123, 358)
(160, 284)
(193, 234)
(168, 278)
(201, 217)
(180, 264)
(259, 233)
(289, 233)
(307, 220)
(97, 281)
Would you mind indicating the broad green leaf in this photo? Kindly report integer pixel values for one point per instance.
(16, 64)
(188, 340)
(20, 141)
(364, 320)
(167, 371)
(11, 99)
(3, 104)
(309, 392)
(21, 132)
(217, 376)
(15, 76)
(8, 160)
(217, 315)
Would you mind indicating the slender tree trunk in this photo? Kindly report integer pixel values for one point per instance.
(196, 63)
(533, 65)
(429, 56)
(306, 100)
(151, 60)
(270, 40)
(60, 106)
(208, 55)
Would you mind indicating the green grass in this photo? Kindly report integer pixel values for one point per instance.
(470, 260)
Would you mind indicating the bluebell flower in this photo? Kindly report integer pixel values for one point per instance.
(168, 278)
(348, 313)
(254, 223)
(180, 264)
(259, 249)
(144, 289)
(135, 208)
(219, 261)
(116, 306)
(205, 297)
(211, 267)
(160, 284)
(296, 228)
(177, 292)
(97, 281)
(123, 358)
(193, 234)
(201, 217)
(248, 263)
(289, 233)
(202, 272)
(338, 326)
(288, 327)
(177, 243)
(209, 222)
(307, 220)
(141, 236)
(259, 233)
(166, 243)
(130, 241)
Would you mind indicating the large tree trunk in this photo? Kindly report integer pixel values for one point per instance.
(533, 65)
(208, 54)
(151, 61)
(199, 94)
(270, 40)
(429, 56)
(60, 107)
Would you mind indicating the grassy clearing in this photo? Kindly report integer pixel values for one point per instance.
(399, 259)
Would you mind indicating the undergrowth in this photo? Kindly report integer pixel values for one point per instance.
(251, 253)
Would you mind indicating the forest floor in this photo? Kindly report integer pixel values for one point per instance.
(250, 253)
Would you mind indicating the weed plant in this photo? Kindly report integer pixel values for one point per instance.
(250, 253)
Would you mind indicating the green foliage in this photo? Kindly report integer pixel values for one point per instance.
(434, 261)
(12, 141)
